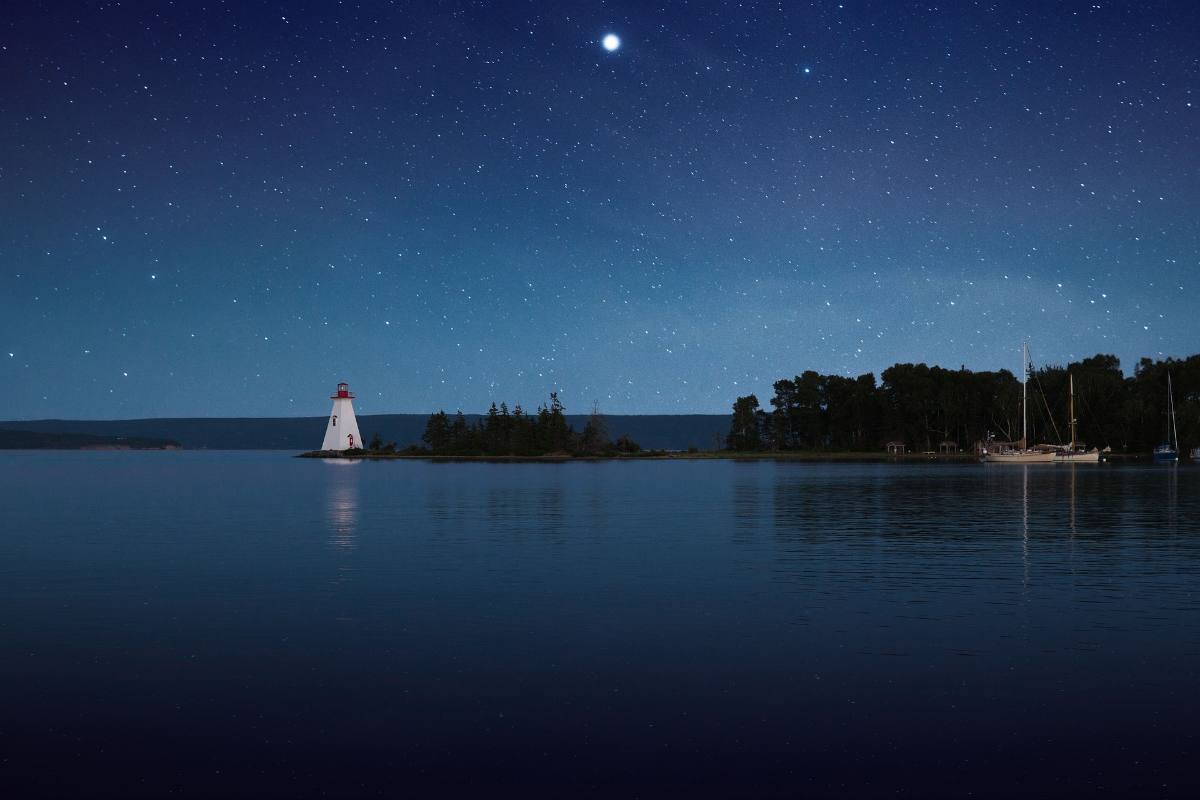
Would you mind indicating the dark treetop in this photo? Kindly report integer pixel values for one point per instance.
(924, 407)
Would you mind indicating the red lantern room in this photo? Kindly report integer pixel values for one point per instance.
(343, 391)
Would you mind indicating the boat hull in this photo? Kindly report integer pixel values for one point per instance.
(1083, 457)
(1165, 456)
(1022, 457)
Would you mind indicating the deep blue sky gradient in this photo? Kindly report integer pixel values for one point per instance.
(225, 208)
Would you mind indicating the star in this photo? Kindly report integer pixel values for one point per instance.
(693, 180)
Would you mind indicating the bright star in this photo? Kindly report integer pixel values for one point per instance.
(611, 42)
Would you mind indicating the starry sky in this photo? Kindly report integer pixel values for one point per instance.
(212, 209)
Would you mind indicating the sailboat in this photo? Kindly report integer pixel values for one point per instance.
(1004, 452)
(1168, 451)
(1074, 453)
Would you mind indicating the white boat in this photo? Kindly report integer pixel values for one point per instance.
(1006, 452)
(1196, 454)
(1004, 455)
(1168, 451)
(1074, 453)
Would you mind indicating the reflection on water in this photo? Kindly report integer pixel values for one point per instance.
(342, 501)
(1074, 472)
(528, 509)
(1172, 470)
(1024, 523)
(618, 629)
(750, 497)
(460, 509)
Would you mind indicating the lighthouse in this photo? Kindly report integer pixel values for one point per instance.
(341, 432)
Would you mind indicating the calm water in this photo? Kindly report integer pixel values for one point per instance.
(216, 623)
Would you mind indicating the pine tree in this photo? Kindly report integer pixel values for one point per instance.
(594, 438)
(459, 434)
(523, 440)
(437, 433)
(504, 443)
(492, 444)
(558, 432)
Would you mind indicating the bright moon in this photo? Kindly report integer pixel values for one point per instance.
(611, 42)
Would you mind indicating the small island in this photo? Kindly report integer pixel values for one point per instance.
(501, 434)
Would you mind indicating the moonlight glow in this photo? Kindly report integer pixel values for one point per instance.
(611, 42)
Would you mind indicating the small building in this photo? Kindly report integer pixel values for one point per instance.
(948, 447)
(897, 448)
(341, 432)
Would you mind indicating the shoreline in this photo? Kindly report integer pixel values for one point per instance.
(813, 457)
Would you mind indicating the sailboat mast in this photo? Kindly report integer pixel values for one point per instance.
(1024, 378)
(1072, 412)
(1171, 405)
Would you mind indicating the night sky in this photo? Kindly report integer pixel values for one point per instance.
(225, 208)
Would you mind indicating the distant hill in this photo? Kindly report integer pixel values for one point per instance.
(42, 440)
(652, 431)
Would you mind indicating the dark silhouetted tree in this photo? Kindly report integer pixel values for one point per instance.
(594, 438)
(437, 433)
(745, 433)
(627, 445)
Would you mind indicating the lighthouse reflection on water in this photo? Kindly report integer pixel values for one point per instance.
(342, 502)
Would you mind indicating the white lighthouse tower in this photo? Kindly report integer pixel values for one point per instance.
(341, 432)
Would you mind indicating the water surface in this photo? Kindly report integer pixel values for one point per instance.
(224, 622)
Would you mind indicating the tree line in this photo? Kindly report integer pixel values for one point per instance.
(501, 432)
(923, 406)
